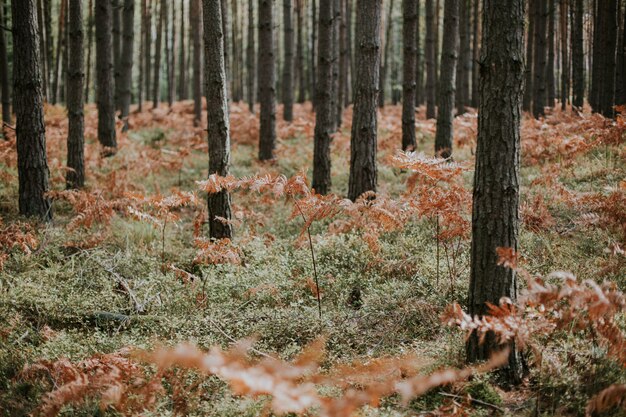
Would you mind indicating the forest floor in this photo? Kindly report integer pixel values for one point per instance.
(101, 277)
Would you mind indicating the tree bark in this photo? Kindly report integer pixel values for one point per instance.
(539, 59)
(431, 57)
(90, 25)
(300, 65)
(343, 62)
(476, 54)
(335, 64)
(363, 173)
(217, 114)
(288, 63)
(578, 55)
(419, 59)
(463, 64)
(59, 51)
(250, 57)
(117, 50)
(409, 27)
(267, 81)
(4, 73)
(323, 111)
(313, 70)
(42, 44)
(156, 86)
(550, 80)
(49, 57)
(182, 67)
(530, 46)
(148, 48)
(384, 63)
(196, 23)
(447, 85)
(126, 76)
(169, 52)
(171, 63)
(142, 30)
(565, 72)
(104, 79)
(622, 100)
(32, 165)
(226, 38)
(604, 45)
(75, 177)
(495, 217)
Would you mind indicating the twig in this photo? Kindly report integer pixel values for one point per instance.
(139, 308)
(474, 400)
(317, 283)
(8, 126)
(232, 339)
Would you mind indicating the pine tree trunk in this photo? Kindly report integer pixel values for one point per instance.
(384, 63)
(619, 56)
(59, 51)
(476, 54)
(540, 64)
(104, 77)
(32, 165)
(156, 85)
(343, 63)
(530, 46)
(313, 70)
(495, 217)
(267, 81)
(117, 50)
(288, 64)
(419, 59)
(550, 80)
(126, 75)
(565, 72)
(622, 100)
(4, 73)
(140, 81)
(47, 5)
(147, 59)
(182, 67)
(431, 74)
(168, 56)
(323, 111)
(363, 172)
(446, 87)
(75, 177)
(409, 27)
(171, 63)
(300, 65)
(42, 44)
(196, 24)
(608, 47)
(218, 125)
(66, 60)
(88, 64)
(226, 32)
(463, 64)
(578, 55)
(335, 64)
(350, 60)
(250, 57)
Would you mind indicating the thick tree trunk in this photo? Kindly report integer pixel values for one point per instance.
(550, 80)
(604, 44)
(300, 66)
(419, 59)
(126, 76)
(323, 112)
(147, 59)
(622, 100)
(156, 85)
(196, 24)
(32, 166)
(619, 56)
(218, 126)
(409, 27)
(117, 50)
(431, 57)
(288, 64)
(250, 57)
(565, 73)
(464, 62)
(540, 64)
(446, 87)
(476, 54)
(363, 172)
(578, 55)
(59, 51)
(495, 217)
(90, 25)
(104, 77)
(267, 81)
(530, 46)
(384, 63)
(4, 73)
(75, 177)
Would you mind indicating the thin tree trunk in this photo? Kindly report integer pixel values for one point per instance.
(495, 216)
(622, 100)
(168, 56)
(288, 64)
(363, 172)
(140, 82)
(409, 27)
(66, 59)
(171, 75)
(300, 65)
(218, 126)
(350, 62)
(476, 54)
(104, 77)
(117, 50)
(608, 47)
(530, 46)
(431, 74)
(385, 61)
(335, 64)
(4, 73)
(147, 59)
(565, 73)
(465, 58)
(196, 23)
(539, 59)
(30, 128)
(182, 69)
(550, 80)
(126, 76)
(235, 44)
(313, 70)
(59, 51)
(250, 57)
(42, 44)
(156, 86)
(343, 62)
(419, 59)
(446, 87)
(225, 29)
(75, 177)
(49, 57)
(323, 112)
(88, 64)
(267, 81)
(578, 55)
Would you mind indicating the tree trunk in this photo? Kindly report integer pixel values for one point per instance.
(409, 27)
(147, 59)
(168, 55)
(550, 80)
(267, 81)
(237, 41)
(117, 50)
(565, 73)
(47, 5)
(384, 63)
(539, 59)
(463, 64)
(288, 64)
(495, 217)
(59, 51)
(104, 77)
(323, 112)
(126, 75)
(300, 52)
(196, 24)
(142, 30)
(75, 177)
(90, 25)
(66, 59)
(363, 173)
(42, 44)
(226, 39)
(335, 64)
(476, 54)
(171, 63)
(217, 108)
(431, 74)
(530, 46)
(622, 100)
(182, 67)
(312, 68)
(604, 45)
(419, 59)
(350, 62)
(619, 56)
(156, 86)
(250, 57)
(578, 55)
(4, 73)
(446, 87)
(30, 128)
(343, 63)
